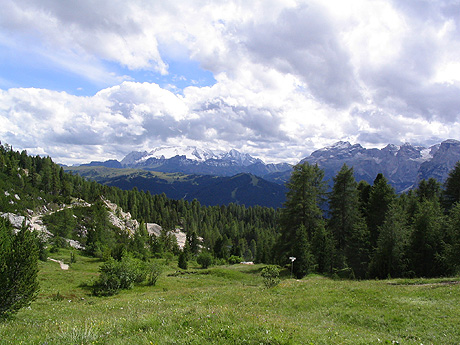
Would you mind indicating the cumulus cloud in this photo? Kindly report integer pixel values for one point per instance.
(291, 76)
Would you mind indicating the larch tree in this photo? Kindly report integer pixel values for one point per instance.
(451, 193)
(426, 240)
(302, 214)
(344, 209)
(381, 196)
(389, 256)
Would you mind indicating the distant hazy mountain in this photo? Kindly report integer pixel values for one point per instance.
(194, 160)
(404, 166)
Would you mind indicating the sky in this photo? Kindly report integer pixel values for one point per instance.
(94, 80)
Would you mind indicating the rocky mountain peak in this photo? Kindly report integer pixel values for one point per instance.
(404, 166)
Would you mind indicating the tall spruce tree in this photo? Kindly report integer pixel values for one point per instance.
(344, 210)
(425, 242)
(451, 193)
(389, 256)
(304, 263)
(452, 243)
(380, 198)
(301, 211)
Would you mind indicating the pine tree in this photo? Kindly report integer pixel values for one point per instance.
(182, 260)
(301, 215)
(304, 263)
(380, 198)
(389, 256)
(428, 190)
(357, 251)
(451, 250)
(344, 210)
(451, 193)
(425, 243)
(18, 268)
(322, 248)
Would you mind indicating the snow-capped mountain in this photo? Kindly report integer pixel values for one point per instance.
(404, 166)
(191, 153)
(195, 160)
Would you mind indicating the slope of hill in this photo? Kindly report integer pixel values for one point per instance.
(243, 189)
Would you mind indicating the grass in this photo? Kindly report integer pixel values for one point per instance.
(229, 305)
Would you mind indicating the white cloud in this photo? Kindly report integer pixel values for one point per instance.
(291, 76)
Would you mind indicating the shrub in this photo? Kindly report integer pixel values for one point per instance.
(117, 275)
(18, 268)
(154, 272)
(235, 260)
(204, 259)
(271, 275)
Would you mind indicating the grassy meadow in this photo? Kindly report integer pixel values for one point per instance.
(230, 305)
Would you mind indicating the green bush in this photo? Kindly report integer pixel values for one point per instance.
(233, 260)
(117, 275)
(204, 259)
(154, 272)
(271, 275)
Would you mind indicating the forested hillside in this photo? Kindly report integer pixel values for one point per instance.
(368, 231)
(209, 190)
(30, 183)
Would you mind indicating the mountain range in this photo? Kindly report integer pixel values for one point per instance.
(194, 160)
(218, 177)
(404, 166)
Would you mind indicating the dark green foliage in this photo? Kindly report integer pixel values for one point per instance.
(380, 198)
(322, 248)
(62, 224)
(344, 208)
(304, 263)
(182, 260)
(452, 245)
(304, 198)
(301, 217)
(271, 274)
(451, 193)
(118, 275)
(357, 251)
(389, 256)
(234, 259)
(204, 259)
(425, 242)
(18, 268)
(430, 190)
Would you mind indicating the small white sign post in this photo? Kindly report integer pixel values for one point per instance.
(292, 258)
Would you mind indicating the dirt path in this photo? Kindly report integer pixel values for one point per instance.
(63, 265)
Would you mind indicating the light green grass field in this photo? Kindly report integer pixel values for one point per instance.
(230, 305)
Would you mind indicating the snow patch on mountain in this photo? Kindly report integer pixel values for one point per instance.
(191, 153)
(425, 155)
